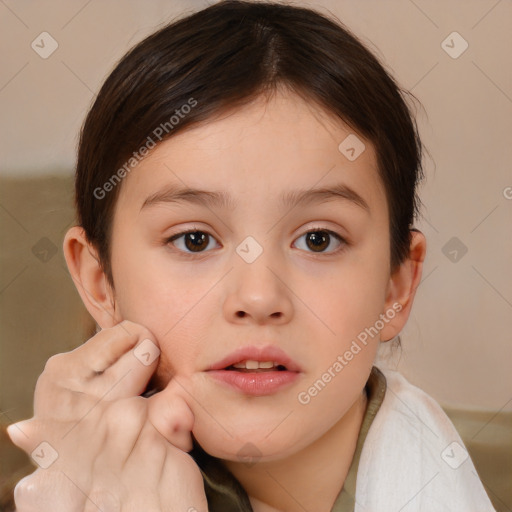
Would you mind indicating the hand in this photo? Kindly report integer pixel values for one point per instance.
(100, 445)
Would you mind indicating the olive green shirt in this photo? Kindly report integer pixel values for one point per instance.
(225, 494)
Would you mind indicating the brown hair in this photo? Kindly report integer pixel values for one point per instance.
(221, 58)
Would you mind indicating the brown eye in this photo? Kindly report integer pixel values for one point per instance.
(196, 241)
(318, 240)
(191, 241)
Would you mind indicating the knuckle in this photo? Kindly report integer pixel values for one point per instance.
(104, 500)
(42, 382)
(153, 445)
(58, 402)
(45, 490)
(69, 405)
(47, 393)
(180, 465)
(55, 363)
(28, 490)
(127, 415)
(23, 488)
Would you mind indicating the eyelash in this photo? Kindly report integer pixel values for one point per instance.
(341, 240)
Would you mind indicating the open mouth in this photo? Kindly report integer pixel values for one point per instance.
(250, 359)
(256, 378)
(256, 367)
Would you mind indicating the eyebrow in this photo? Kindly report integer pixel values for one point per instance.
(221, 199)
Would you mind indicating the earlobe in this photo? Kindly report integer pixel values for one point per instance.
(402, 286)
(90, 280)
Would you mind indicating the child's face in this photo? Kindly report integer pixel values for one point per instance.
(202, 306)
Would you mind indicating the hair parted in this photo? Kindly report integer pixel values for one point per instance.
(222, 58)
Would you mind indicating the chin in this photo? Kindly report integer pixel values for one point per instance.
(247, 448)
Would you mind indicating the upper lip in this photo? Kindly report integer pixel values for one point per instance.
(268, 353)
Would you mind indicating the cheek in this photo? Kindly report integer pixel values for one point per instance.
(349, 299)
(170, 306)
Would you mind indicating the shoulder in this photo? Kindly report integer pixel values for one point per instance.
(407, 404)
(413, 454)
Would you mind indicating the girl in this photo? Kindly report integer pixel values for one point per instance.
(246, 192)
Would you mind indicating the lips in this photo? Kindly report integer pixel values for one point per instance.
(250, 355)
(255, 371)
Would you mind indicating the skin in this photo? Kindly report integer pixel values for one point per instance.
(310, 304)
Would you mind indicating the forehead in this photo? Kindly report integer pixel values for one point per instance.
(257, 153)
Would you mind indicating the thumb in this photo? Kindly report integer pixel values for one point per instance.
(170, 414)
(22, 434)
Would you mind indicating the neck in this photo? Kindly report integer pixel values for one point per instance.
(310, 479)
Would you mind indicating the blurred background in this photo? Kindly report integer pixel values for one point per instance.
(455, 57)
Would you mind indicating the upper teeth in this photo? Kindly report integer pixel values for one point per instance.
(254, 365)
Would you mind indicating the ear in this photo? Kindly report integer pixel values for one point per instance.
(90, 280)
(402, 286)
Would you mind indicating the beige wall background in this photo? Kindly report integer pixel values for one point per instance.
(457, 345)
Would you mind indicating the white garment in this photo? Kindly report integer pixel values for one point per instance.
(408, 462)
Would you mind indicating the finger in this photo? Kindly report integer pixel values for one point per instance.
(62, 399)
(27, 434)
(66, 447)
(170, 414)
(124, 420)
(39, 439)
(47, 491)
(127, 377)
(102, 500)
(141, 449)
(130, 374)
(111, 365)
(153, 461)
(105, 348)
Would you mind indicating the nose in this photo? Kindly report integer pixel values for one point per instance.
(259, 291)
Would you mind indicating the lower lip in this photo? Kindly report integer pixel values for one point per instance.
(256, 384)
